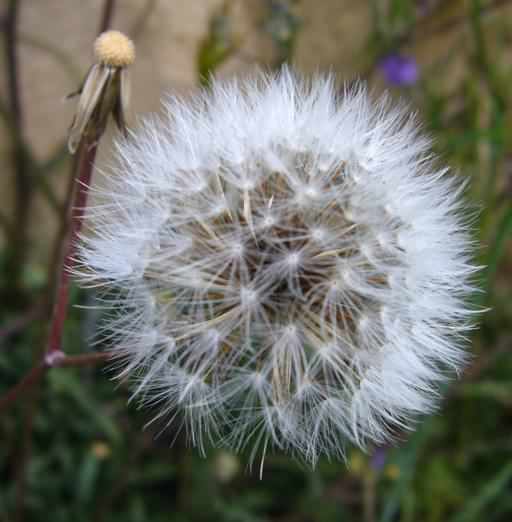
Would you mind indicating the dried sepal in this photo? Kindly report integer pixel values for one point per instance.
(105, 91)
(90, 96)
(123, 101)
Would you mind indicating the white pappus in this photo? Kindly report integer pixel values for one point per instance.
(291, 266)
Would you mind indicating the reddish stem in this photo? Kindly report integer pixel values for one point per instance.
(55, 360)
(54, 356)
(60, 300)
(87, 156)
(106, 17)
(86, 359)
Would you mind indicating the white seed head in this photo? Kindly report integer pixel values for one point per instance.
(291, 266)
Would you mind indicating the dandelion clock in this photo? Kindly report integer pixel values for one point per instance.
(286, 266)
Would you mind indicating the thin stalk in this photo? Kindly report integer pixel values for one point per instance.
(60, 295)
(86, 165)
(106, 17)
(23, 186)
(57, 360)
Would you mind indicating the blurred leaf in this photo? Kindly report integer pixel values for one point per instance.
(475, 507)
(87, 475)
(153, 472)
(439, 481)
(498, 391)
(405, 459)
(65, 381)
(496, 252)
(282, 24)
(219, 44)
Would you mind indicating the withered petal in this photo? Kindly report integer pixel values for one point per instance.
(91, 94)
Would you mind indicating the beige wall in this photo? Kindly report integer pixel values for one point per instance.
(334, 35)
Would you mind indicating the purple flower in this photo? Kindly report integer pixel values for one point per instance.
(399, 70)
(379, 458)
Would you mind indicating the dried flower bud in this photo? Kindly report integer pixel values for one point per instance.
(105, 91)
(115, 49)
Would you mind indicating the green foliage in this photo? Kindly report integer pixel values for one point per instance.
(219, 44)
(282, 24)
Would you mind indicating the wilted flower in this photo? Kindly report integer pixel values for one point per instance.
(106, 89)
(399, 70)
(290, 266)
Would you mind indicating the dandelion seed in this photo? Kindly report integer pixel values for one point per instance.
(302, 256)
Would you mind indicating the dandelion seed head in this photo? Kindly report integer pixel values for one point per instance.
(291, 266)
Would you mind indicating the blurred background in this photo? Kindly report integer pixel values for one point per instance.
(72, 449)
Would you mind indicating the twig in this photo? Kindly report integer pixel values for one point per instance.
(6, 115)
(87, 156)
(11, 23)
(5, 225)
(106, 18)
(86, 163)
(37, 176)
(18, 236)
(23, 186)
(142, 19)
(53, 360)
(57, 252)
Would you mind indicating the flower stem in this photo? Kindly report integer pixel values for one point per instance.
(108, 13)
(56, 360)
(54, 355)
(76, 205)
(77, 208)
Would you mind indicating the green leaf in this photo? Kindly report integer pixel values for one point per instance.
(63, 381)
(498, 391)
(475, 507)
(87, 475)
(503, 233)
(405, 458)
(218, 45)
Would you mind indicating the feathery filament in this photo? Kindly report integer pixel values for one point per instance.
(293, 266)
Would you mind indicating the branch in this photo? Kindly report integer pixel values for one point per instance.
(11, 23)
(106, 18)
(23, 191)
(5, 224)
(54, 360)
(76, 207)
